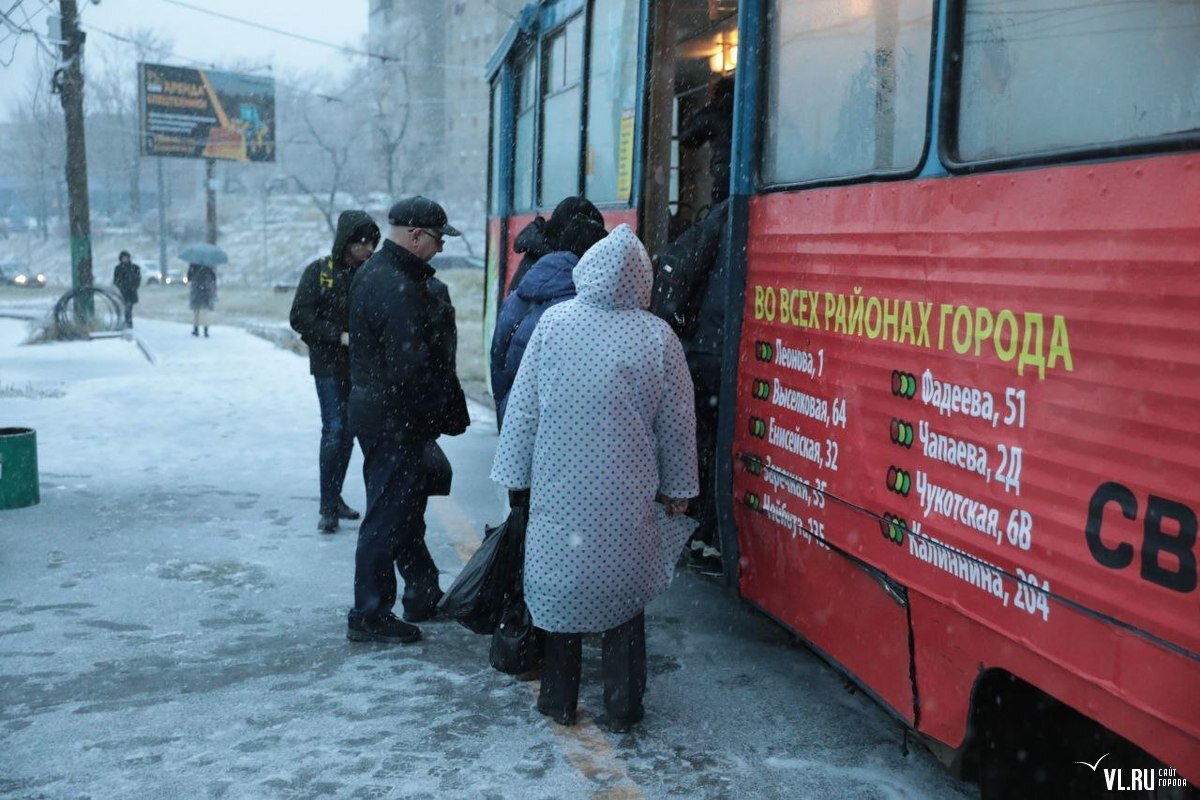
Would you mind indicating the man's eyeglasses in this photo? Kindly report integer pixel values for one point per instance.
(437, 237)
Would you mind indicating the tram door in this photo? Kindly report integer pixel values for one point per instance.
(690, 113)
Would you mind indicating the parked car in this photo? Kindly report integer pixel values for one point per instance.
(12, 274)
(151, 273)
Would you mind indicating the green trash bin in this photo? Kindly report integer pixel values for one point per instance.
(18, 468)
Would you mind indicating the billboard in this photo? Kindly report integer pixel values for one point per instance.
(200, 113)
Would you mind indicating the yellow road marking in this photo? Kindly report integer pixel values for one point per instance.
(457, 524)
(584, 745)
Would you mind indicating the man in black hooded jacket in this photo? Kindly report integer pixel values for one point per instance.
(321, 315)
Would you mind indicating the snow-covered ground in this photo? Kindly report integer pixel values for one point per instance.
(172, 624)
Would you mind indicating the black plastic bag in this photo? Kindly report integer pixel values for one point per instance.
(479, 593)
(516, 644)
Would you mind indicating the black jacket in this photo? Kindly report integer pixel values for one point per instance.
(402, 351)
(127, 278)
(714, 123)
(321, 308)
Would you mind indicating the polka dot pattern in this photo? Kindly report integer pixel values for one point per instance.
(599, 420)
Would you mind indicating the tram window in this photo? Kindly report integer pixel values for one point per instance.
(561, 113)
(612, 97)
(497, 152)
(848, 88)
(1084, 73)
(524, 157)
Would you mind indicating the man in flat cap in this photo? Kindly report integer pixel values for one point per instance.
(404, 394)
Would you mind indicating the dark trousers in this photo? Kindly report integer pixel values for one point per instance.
(128, 314)
(706, 380)
(392, 534)
(623, 665)
(336, 442)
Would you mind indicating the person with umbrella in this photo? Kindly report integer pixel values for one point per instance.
(202, 280)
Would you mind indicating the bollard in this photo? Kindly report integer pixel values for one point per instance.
(18, 468)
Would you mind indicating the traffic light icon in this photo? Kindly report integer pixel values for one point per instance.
(901, 433)
(893, 528)
(763, 351)
(753, 501)
(762, 390)
(758, 428)
(753, 464)
(904, 384)
(898, 481)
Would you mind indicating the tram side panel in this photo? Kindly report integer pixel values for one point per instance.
(983, 388)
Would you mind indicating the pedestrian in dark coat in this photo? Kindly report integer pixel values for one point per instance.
(703, 345)
(404, 394)
(531, 243)
(127, 277)
(573, 228)
(202, 282)
(321, 315)
(714, 124)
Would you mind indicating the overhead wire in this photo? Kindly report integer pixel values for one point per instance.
(383, 57)
(192, 62)
(13, 28)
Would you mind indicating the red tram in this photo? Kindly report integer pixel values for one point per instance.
(960, 420)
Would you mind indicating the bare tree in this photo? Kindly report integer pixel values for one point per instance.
(337, 143)
(113, 99)
(35, 149)
(391, 109)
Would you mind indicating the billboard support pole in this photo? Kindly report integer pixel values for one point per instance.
(210, 188)
(69, 82)
(162, 221)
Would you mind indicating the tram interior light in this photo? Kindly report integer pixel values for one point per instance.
(861, 9)
(724, 55)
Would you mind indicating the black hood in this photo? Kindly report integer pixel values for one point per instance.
(349, 223)
(532, 239)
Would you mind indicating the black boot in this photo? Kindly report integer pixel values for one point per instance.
(346, 512)
(328, 522)
(195, 331)
(205, 331)
(385, 629)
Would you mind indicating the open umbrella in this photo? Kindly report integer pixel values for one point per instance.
(207, 254)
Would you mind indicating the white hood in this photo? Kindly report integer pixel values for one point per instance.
(615, 273)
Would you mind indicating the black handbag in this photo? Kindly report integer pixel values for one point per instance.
(437, 470)
(457, 418)
(516, 644)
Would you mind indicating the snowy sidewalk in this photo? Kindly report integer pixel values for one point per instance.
(172, 625)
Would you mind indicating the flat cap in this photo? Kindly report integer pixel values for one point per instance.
(421, 212)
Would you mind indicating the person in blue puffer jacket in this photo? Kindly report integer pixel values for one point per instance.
(572, 229)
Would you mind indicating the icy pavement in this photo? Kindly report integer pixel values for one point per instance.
(172, 624)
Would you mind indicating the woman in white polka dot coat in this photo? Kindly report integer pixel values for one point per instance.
(599, 423)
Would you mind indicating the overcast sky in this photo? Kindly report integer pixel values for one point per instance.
(196, 36)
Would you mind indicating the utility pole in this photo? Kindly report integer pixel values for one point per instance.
(68, 82)
(162, 221)
(210, 189)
